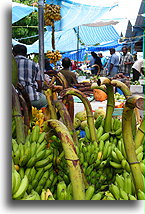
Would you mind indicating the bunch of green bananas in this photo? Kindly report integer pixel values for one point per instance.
(19, 186)
(34, 152)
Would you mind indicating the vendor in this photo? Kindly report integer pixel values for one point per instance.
(69, 75)
(138, 69)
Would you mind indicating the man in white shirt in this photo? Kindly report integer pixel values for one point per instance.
(138, 69)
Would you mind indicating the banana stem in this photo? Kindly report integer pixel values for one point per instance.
(85, 101)
(26, 115)
(109, 108)
(17, 114)
(126, 91)
(140, 135)
(71, 158)
(131, 103)
(66, 119)
(51, 108)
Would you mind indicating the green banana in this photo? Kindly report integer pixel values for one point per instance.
(123, 194)
(41, 137)
(22, 189)
(39, 174)
(41, 146)
(97, 196)
(32, 161)
(104, 137)
(35, 134)
(89, 192)
(21, 172)
(44, 162)
(115, 191)
(99, 132)
(40, 155)
(17, 182)
(115, 165)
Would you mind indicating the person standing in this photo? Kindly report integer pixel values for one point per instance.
(29, 76)
(69, 75)
(138, 69)
(104, 63)
(113, 63)
(126, 62)
(95, 64)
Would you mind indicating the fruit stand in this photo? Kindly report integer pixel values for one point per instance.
(79, 147)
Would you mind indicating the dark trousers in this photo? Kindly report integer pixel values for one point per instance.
(136, 75)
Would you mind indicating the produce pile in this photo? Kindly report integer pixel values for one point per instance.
(81, 158)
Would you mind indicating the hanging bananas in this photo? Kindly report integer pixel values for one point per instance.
(51, 14)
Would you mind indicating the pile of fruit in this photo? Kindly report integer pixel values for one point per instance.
(54, 56)
(51, 165)
(51, 14)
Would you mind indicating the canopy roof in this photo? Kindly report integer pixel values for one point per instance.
(75, 14)
(19, 11)
(66, 41)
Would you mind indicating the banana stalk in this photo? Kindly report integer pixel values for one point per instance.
(126, 91)
(110, 101)
(26, 114)
(131, 103)
(71, 158)
(17, 114)
(66, 119)
(140, 135)
(51, 108)
(85, 101)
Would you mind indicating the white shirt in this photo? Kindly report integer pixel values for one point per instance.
(138, 65)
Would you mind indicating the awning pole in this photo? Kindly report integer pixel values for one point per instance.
(78, 45)
(41, 34)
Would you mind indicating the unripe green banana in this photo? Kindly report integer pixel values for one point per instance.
(131, 197)
(115, 165)
(31, 162)
(123, 194)
(22, 189)
(115, 191)
(41, 137)
(35, 134)
(44, 162)
(97, 196)
(17, 182)
(21, 172)
(89, 192)
(104, 137)
(114, 157)
(119, 154)
(99, 132)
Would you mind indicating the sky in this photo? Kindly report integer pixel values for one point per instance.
(126, 9)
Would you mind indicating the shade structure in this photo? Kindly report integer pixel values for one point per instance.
(19, 11)
(75, 14)
(66, 41)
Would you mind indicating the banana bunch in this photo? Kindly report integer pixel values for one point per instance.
(54, 56)
(34, 152)
(37, 117)
(51, 14)
(19, 186)
(122, 189)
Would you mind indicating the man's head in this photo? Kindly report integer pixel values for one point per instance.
(100, 55)
(66, 62)
(112, 51)
(124, 50)
(19, 50)
(93, 54)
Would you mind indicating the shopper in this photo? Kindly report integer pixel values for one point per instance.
(104, 63)
(95, 64)
(126, 62)
(30, 76)
(113, 63)
(69, 75)
(138, 69)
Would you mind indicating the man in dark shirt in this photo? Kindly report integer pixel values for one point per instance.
(69, 75)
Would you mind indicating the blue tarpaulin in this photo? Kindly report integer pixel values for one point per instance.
(75, 14)
(19, 11)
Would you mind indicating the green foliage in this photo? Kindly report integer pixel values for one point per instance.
(26, 27)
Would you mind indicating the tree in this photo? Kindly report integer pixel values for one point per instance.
(26, 27)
